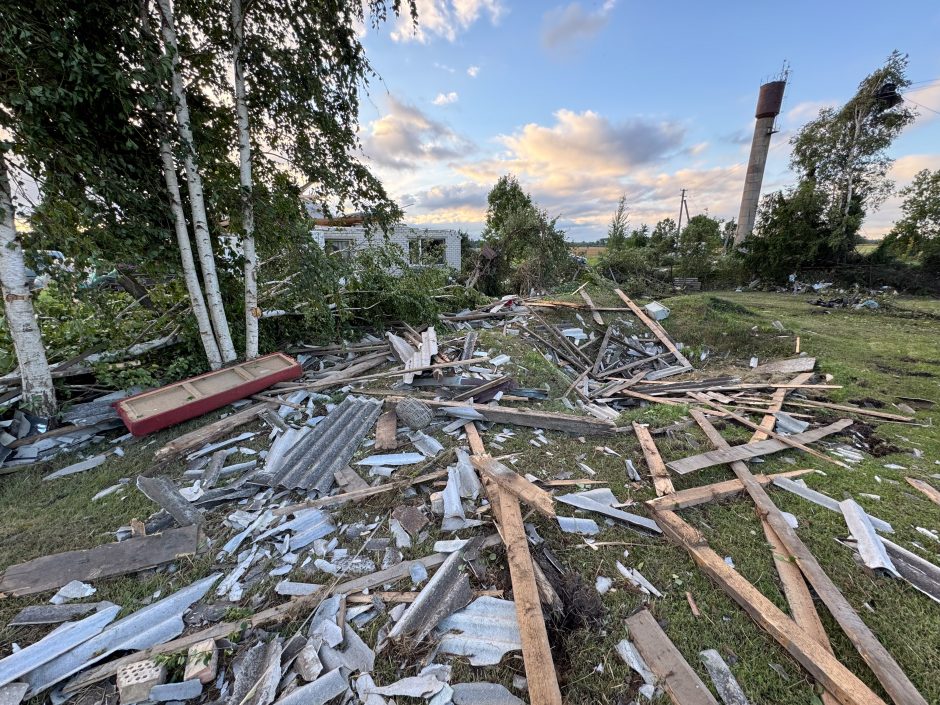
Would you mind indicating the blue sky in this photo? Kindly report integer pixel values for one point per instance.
(586, 100)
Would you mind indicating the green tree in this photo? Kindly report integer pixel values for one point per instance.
(663, 238)
(919, 224)
(843, 152)
(699, 245)
(505, 198)
(617, 230)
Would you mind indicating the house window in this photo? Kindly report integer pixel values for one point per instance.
(339, 248)
(427, 251)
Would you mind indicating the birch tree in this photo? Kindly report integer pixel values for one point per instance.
(38, 390)
(252, 312)
(195, 188)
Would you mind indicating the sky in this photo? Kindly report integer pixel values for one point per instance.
(585, 101)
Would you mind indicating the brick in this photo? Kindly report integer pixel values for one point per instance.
(135, 680)
(202, 662)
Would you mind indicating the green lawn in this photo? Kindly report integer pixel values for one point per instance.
(877, 355)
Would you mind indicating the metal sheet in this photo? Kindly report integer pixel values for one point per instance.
(146, 627)
(581, 502)
(53, 645)
(725, 682)
(483, 694)
(55, 614)
(324, 689)
(870, 548)
(483, 631)
(823, 500)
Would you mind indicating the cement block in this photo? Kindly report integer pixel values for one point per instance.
(202, 662)
(135, 680)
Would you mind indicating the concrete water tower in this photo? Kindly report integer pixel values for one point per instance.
(768, 107)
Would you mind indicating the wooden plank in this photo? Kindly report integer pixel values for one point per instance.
(105, 561)
(357, 495)
(882, 664)
(386, 429)
(776, 403)
(720, 490)
(536, 651)
(473, 438)
(745, 451)
(874, 413)
(823, 666)
(932, 494)
(788, 440)
(480, 388)
(798, 596)
(656, 329)
(661, 480)
(515, 484)
(595, 314)
(790, 366)
(552, 421)
(601, 350)
(672, 671)
(209, 433)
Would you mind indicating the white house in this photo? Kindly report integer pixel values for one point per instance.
(424, 247)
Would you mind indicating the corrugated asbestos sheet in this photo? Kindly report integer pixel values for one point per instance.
(483, 631)
(329, 447)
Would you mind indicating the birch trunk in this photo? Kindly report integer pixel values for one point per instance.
(196, 300)
(252, 312)
(38, 391)
(194, 186)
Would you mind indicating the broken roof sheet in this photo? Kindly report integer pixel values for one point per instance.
(483, 631)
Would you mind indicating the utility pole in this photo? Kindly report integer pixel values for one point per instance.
(681, 206)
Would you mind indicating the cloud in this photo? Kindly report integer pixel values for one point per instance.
(445, 98)
(472, 71)
(445, 19)
(903, 170)
(926, 100)
(565, 27)
(444, 67)
(405, 136)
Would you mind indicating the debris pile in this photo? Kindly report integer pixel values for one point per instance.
(369, 523)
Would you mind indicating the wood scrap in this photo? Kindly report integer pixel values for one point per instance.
(791, 366)
(655, 328)
(209, 433)
(776, 403)
(932, 493)
(595, 314)
(672, 671)
(661, 480)
(386, 429)
(105, 561)
(694, 496)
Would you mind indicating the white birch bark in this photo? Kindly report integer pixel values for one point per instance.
(196, 300)
(38, 390)
(252, 312)
(194, 186)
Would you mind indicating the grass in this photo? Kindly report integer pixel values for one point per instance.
(877, 355)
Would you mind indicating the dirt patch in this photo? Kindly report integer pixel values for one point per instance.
(868, 403)
(866, 438)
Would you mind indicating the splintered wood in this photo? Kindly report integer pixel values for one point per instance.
(657, 468)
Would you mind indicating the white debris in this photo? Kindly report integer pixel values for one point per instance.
(73, 590)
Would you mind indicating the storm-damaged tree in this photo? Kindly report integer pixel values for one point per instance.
(617, 230)
(843, 152)
(916, 235)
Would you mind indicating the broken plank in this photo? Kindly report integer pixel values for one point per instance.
(356, 495)
(824, 667)
(536, 651)
(385, 430)
(932, 494)
(105, 561)
(656, 329)
(672, 671)
(209, 433)
(879, 660)
(480, 388)
(694, 496)
(595, 314)
(162, 492)
(746, 451)
(661, 480)
(515, 484)
(473, 438)
(551, 421)
(874, 413)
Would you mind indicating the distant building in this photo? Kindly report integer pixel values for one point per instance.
(423, 247)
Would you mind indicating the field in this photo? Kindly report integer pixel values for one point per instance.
(591, 253)
(878, 356)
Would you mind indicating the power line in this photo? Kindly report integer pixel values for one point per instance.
(921, 105)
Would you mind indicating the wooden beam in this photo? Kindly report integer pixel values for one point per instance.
(874, 413)
(536, 651)
(745, 451)
(825, 668)
(788, 440)
(656, 329)
(672, 671)
(552, 421)
(480, 388)
(515, 484)
(594, 312)
(720, 490)
(661, 480)
(882, 664)
(209, 433)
